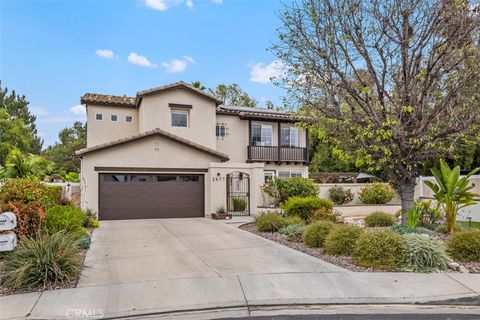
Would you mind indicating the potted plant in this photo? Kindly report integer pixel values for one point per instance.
(221, 214)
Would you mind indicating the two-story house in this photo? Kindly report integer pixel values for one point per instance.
(176, 151)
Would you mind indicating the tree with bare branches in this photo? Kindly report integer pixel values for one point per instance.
(399, 77)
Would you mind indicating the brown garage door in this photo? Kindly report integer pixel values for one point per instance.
(150, 196)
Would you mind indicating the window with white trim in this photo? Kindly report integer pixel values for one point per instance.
(289, 136)
(262, 135)
(179, 118)
(268, 175)
(285, 174)
(99, 117)
(129, 119)
(114, 117)
(221, 131)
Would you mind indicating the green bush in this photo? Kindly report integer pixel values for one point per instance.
(380, 249)
(239, 204)
(269, 222)
(464, 245)
(403, 229)
(303, 207)
(424, 254)
(379, 219)
(29, 200)
(282, 189)
(293, 232)
(341, 240)
(315, 233)
(376, 193)
(48, 260)
(340, 196)
(68, 218)
(294, 220)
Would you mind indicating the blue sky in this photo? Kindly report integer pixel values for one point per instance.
(55, 51)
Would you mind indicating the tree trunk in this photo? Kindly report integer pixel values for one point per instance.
(407, 191)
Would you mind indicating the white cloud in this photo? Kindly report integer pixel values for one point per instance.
(217, 1)
(140, 60)
(178, 65)
(189, 4)
(105, 53)
(160, 5)
(38, 111)
(175, 65)
(79, 110)
(264, 73)
(189, 59)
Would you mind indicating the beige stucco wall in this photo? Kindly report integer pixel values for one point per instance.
(235, 144)
(150, 152)
(154, 112)
(106, 130)
(217, 174)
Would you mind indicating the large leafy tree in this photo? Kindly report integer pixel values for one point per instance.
(17, 107)
(62, 153)
(233, 95)
(13, 134)
(399, 76)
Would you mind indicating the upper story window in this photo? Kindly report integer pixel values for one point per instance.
(128, 119)
(99, 116)
(221, 130)
(179, 118)
(114, 118)
(289, 136)
(262, 135)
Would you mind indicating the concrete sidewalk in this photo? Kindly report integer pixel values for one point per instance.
(222, 278)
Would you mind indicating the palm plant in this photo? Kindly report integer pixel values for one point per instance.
(452, 191)
(21, 165)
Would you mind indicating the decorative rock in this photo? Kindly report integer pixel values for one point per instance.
(454, 266)
(462, 269)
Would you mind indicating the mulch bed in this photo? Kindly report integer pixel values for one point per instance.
(341, 261)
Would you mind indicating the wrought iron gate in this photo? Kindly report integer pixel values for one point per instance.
(238, 194)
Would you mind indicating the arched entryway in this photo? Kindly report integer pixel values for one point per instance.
(238, 193)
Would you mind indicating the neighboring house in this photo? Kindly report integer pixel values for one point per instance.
(176, 151)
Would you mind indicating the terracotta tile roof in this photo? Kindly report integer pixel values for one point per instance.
(154, 132)
(176, 85)
(108, 100)
(261, 114)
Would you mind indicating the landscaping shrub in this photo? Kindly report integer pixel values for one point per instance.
(29, 200)
(340, 196)
(403, 229)
(326, 214)
(376, 193)
(380, 249)
(293, 232)
(48, 260)
(239, 204)
(294, 220)
(341, 240)
(379, 219)
(464, 245)
(303, 207)
(315, 233)
(442, 228)
(68, 218)
(269, 222)
(424, 254)
(282, 189)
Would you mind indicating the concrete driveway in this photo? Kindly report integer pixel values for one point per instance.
(149, 250)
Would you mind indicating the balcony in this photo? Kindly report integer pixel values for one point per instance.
(277, 154)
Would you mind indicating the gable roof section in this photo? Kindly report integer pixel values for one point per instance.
(155, 132)
(107, 100)
(173, 86)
